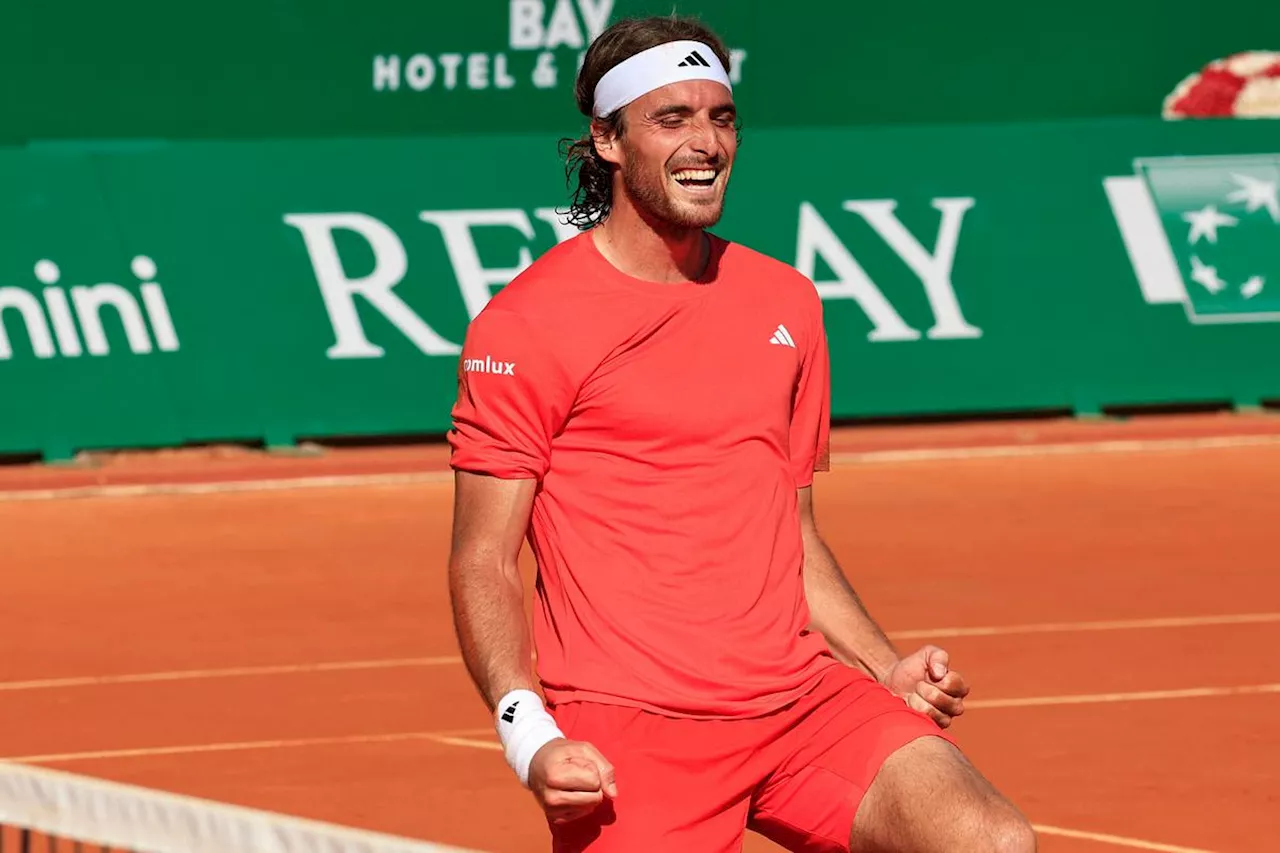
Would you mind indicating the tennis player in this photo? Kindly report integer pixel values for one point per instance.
(647, 404)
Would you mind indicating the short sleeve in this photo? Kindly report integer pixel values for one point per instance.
(811, 410)
(513, 397)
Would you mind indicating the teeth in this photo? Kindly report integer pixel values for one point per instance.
(695, 175)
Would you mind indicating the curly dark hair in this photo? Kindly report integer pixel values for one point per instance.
(589, 174)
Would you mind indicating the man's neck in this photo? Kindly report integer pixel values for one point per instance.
(647, 250)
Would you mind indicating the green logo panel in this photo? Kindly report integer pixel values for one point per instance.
(1222, 218)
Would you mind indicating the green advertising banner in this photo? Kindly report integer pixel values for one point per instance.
(169, 293)
(245, 69)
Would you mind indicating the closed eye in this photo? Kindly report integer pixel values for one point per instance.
(675, 115)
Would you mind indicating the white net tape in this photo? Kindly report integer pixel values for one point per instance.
(138, 819)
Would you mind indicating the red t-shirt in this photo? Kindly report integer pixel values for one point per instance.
(670, 426)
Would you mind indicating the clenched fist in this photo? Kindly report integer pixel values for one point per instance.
(570, 779)
(926, 682)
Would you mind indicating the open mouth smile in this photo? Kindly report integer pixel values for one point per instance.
(696, 180)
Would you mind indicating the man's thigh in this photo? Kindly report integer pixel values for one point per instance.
(680, 783)
(928, 797)
(833, 755)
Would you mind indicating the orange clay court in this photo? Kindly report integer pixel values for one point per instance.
(274, 631)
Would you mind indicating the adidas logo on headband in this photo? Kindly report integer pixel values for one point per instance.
(694, 58)
(659, 66)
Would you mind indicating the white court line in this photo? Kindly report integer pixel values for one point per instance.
(240, 746)
(494, 745)
(227, 487)
(1137, 696)
(1111, 625)
(933, 454)
(466, 738)
(228, 672)
(389, 663)
(846, 458)
(1116, 840)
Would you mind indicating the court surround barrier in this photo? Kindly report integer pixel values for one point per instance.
(157, 294)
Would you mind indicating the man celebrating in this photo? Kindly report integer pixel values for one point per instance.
(658, 410)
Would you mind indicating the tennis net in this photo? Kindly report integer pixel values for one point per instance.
(46, 810)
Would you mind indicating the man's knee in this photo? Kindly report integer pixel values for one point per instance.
(1006, 831)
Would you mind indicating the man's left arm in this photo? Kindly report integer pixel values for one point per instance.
(835, 609)
(924, 678)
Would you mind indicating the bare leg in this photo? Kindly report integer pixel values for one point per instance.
(928, 798)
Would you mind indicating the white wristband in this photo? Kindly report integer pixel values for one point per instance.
(524, 726)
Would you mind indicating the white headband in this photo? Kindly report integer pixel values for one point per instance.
(654, 68)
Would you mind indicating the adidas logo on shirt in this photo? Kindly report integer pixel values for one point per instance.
(782, 337)
(694, 58)
(488, 365)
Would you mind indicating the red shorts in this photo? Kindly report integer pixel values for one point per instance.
(694, 786)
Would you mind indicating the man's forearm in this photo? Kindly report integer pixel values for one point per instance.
(839, 615)
(488, 617)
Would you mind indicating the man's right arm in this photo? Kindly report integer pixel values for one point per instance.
(568, 778)
(490, 518)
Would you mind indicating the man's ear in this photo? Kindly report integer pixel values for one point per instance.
(605, 138)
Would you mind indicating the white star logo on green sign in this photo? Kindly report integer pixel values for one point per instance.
(1205, 231)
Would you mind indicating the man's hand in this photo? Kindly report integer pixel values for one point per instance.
(927, 684)
(570, 779)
